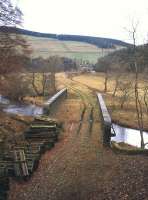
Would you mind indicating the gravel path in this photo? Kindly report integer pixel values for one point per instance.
(79, 168)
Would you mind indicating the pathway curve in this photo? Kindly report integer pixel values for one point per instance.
(79, 168)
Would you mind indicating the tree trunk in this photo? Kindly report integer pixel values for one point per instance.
(115, 90)
(105, 82)
(146, 99)
(53, 86)
(116, 85)
(139, 107)
(34, 86)
(44, 79)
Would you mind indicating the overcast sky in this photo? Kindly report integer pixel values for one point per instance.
(103, 18)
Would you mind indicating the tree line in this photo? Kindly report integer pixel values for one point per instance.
(125, 59)
(19, 72)
(98, 41)
(129, 69)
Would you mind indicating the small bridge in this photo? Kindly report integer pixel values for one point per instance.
(106, 121)
(50, 103)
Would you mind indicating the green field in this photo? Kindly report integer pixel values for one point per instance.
(46, 47)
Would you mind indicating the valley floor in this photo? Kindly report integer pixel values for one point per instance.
(79, 167)
(125, 116)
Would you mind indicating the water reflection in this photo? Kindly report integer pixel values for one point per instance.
(4, 100)
(28, 110)
(129, 136)
(23, 109)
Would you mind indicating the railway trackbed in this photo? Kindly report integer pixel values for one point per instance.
(87, 105)
(70, 170)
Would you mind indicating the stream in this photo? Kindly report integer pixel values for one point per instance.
(20, 108)
(129, 136)
(123, 134)
(28, 110)
(3, 100)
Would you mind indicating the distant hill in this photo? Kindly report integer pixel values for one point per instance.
(72, 46)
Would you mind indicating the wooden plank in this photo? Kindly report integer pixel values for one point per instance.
(45, 119)
(105, 113)
(106, 121)
(53, 100)
(55, 97)
(21, 169)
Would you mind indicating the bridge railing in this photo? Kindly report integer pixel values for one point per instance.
(50, 103)
(106, 121)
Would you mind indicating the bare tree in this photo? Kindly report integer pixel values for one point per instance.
(40, 91)
(146, 98)
(9, 15)
(53, 63)
(43, 71)
(138, 100)
(106, 80)
(125, 89)
(117, 72)
(34, 84)
(145, 90)
(117, 81)
(12, 46)
(16, 86)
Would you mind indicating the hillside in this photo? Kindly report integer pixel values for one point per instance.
(46, 47)
(123, 59)
(71, 46)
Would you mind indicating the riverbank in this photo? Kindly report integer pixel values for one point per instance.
(12, 125)
(125, 116)
(37, 100)
(79, 167)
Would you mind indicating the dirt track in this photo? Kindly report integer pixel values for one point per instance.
(79, 168)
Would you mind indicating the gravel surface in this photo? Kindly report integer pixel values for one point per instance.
(79, 168)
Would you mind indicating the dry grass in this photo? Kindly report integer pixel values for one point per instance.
(126, 116)
(88, 84)
(79, 167)
(46, 47)
(35, 100)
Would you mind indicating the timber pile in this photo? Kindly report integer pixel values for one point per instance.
(26, 159)
(5, 168)
(40, 136)
(23, 158)
(43, 131)
(4, 186)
